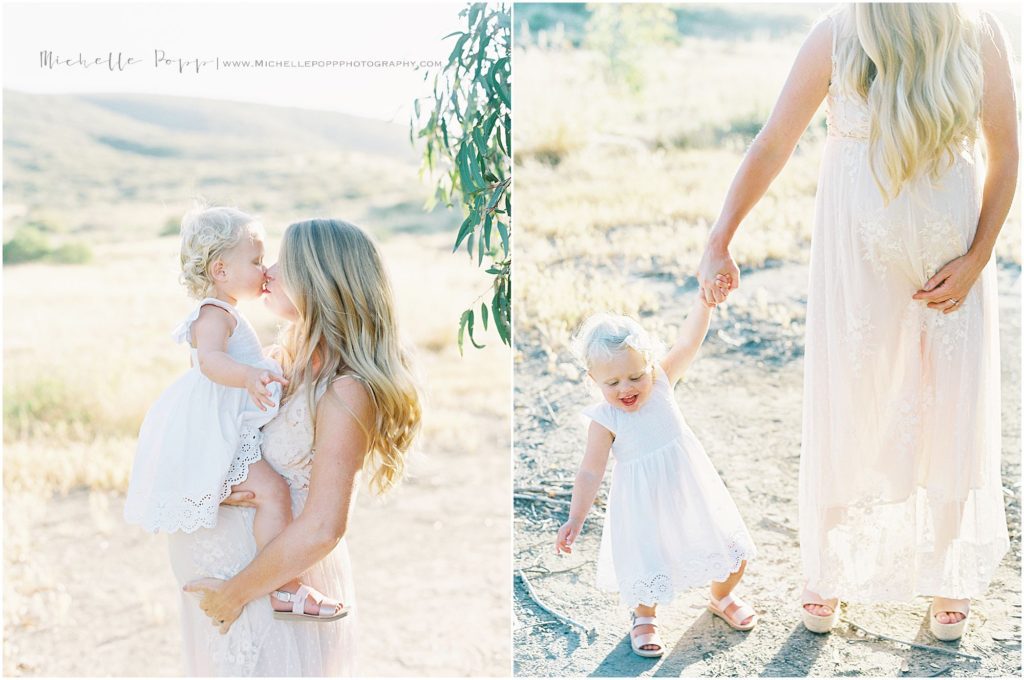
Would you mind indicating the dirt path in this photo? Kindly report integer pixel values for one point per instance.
(754, 442)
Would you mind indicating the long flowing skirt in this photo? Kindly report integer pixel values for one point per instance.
(258, 644)
(900, 489)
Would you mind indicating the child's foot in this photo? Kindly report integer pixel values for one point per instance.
(734, 611)
(295, 600)
(643, 635)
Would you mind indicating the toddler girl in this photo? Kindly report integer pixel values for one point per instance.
(671, 524)
(201, 439)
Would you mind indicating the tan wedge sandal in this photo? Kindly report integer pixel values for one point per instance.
(814, 622)
(947, 632)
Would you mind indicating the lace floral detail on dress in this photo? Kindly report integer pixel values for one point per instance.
(290, 436)
(940, 241)
(857, 338)
(881, 245)
(846, 117)
(699, 570)
(652, 590)
(950, 329)
(887, 241)
(846, 113)
(190, 514)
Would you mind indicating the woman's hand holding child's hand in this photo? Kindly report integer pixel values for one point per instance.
(256, 381)
(724, 284)
(566, 536)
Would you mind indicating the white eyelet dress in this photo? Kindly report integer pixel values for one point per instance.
(671, 524)
(258, 645)
(900, 490)
(198, 439)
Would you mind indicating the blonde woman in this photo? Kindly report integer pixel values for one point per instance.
(351, 404)
(900, 491)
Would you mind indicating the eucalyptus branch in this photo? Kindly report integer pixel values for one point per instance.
(468, 126)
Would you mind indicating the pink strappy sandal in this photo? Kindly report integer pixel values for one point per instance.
(638, 641)
(329, 610)
(733, 611)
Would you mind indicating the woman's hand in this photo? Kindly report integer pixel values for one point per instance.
(951, 284)
(566, 535)
(214, 602)
(715, 265)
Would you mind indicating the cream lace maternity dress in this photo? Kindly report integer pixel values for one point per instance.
(900, 490)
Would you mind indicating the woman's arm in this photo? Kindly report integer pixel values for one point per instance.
(801, 96)
(588, 482)
(211, 331)
(691, 337)
(341, 446)
(999, 130)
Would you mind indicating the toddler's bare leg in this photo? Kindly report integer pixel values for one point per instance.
(273, 513)
(273, 501)
(720, 589)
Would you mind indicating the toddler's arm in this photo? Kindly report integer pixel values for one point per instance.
(588, 481)
(691, 337)
(211, 331)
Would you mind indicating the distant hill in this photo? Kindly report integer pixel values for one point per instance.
(114, 165)
(719, 22)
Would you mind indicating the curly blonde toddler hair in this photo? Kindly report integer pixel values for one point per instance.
(206, 234)
(604, 335)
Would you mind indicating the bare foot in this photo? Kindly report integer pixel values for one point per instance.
(819, 609)
(945, 616)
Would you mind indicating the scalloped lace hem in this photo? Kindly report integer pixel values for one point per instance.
(661, 588)
(191, 514)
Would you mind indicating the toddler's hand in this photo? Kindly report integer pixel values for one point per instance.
(256, 385)
(566, 535)
(724, 283)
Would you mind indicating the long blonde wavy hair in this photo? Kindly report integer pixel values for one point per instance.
(918, 66)
(334, 276)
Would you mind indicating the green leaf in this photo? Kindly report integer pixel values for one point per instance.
(483, 313)
(480, 250)
(465, 230)
(456, 54)
(470, 324)
(487, 229)
(474, 12)
(495, 197)
(478, 177)
(503, 232)
(465, 173)
(489, 125)
(462, 328)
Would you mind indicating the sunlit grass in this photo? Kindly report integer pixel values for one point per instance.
(87, 350)
(615, 187)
